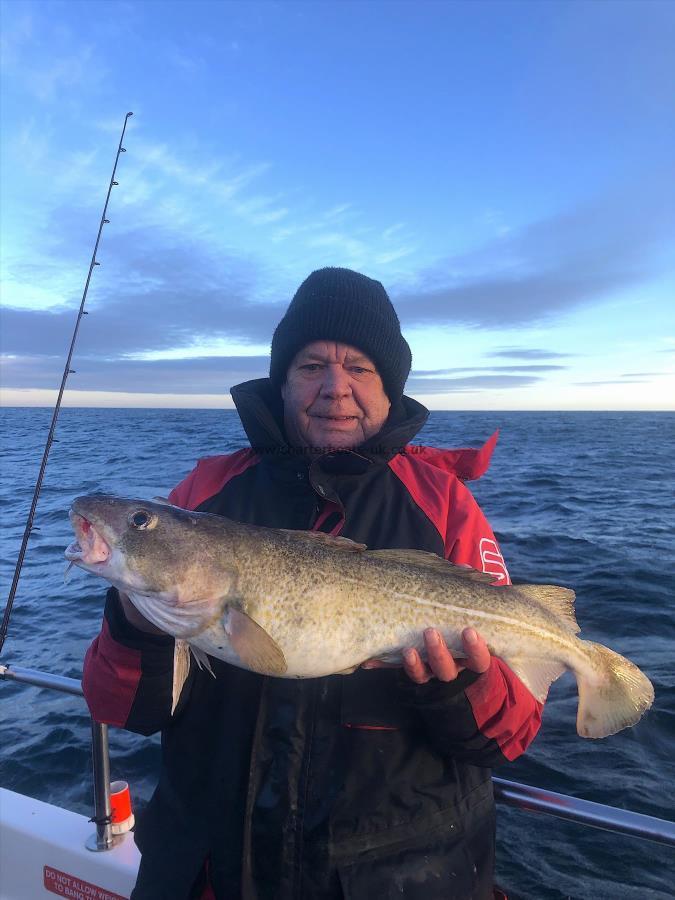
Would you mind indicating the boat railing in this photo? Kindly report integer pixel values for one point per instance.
(104, 838)
(522, 796)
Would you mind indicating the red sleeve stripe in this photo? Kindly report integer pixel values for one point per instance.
(210, 476)
(110, 678)
(504, 709)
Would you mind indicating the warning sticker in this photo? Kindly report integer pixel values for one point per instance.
(65, 885)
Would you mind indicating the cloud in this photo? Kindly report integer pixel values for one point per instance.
(509, 302)
(221, 179)
(524, 368)
(337, 212)
(470, 383)
(529, 353)
(16, 36)
(617, 381)
(394, 255)
(202, 375)
(164, 288)
(552, 266)
(333, 231)
(339, 242)
(495, 220)
(176, 279)
(186, 63)
(64, 72)
(162, 293)
(199, 375)
(393, 230)
(32, 142)
(45, 58)
(293, 231)
(261, 210)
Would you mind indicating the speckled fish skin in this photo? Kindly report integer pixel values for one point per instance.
(304, 604)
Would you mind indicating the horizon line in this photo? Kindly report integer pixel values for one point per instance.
(234, 410)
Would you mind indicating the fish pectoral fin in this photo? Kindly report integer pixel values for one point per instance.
(329, 540)
(202, 659)
(253, 645)
(537, 674)
(181, 670)
(558, 600)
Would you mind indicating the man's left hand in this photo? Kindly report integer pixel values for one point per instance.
(440, 662)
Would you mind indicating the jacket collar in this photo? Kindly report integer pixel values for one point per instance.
(260, 409)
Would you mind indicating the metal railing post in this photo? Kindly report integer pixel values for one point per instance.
(103, 839)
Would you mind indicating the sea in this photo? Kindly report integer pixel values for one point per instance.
(581, 499)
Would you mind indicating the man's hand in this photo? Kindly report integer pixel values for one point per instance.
(440, 662)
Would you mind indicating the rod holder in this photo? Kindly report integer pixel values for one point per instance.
(104, 838)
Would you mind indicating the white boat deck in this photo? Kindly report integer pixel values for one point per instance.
(42, 852)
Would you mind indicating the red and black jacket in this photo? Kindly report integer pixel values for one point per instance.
(360, 786)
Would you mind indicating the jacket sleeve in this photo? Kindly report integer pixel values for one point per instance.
(127, 677)
(486, 719)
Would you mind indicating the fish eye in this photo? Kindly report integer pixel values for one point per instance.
(141, 520)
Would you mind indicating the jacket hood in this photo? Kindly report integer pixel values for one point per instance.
(261, 411)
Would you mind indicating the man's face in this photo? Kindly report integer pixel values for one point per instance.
(333, 397)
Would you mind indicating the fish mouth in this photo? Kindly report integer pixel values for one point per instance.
(89, 548)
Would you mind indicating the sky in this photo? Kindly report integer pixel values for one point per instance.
(506, 169)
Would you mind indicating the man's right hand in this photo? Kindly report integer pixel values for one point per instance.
(137, 619)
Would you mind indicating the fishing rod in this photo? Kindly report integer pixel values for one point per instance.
(66, 372)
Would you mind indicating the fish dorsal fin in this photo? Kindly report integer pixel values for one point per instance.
(253, 645)
(328, 540)
(424, 559)
(558, 600)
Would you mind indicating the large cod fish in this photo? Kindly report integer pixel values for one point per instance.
(302, 604)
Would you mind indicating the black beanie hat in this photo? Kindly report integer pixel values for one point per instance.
(341, 305)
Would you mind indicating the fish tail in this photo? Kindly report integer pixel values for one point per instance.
(612, 696)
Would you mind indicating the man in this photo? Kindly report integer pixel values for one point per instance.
(367, 786)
